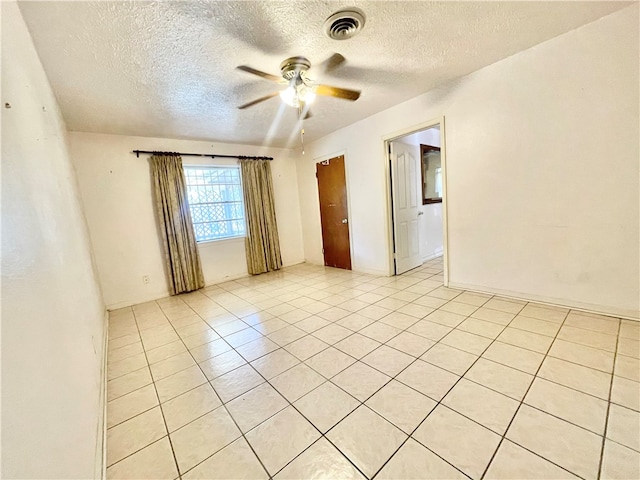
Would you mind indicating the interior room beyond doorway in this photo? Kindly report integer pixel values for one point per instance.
(416, 197)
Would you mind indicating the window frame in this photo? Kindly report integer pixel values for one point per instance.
(244, 219)
(424, 149)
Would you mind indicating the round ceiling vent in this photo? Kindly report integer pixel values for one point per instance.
(344, 24)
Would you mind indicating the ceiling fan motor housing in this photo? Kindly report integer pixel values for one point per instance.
(294, 67)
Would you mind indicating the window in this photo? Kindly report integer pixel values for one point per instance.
(216, 203)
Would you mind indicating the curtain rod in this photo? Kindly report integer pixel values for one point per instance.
(212, 155)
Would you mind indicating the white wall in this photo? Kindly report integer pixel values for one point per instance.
(430, 225)
(52, 313)
(117, 195)
(524, 141)
(428, 136)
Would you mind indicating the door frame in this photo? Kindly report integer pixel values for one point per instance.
(346, 182)
(390, 137)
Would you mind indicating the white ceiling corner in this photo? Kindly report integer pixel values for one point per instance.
(167, 69)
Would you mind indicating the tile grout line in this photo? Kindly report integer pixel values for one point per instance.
(361, 403)
(348, 313)
(606, 418)
(189, 390)
(247, 363)
(302, 362)
(124, 346)
(134, 390)
(334, 306)
(503, 436)
(462, 376)
(137, 369)
(439, 402)
(329, 345)
(352, 275)
(522, 400)
(175, 460)
(322, 435)
(208, 382)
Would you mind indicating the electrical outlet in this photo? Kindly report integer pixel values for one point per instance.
(145, 279)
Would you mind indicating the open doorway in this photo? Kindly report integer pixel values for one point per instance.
(417, 197)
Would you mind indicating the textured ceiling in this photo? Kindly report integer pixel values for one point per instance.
(167, 69)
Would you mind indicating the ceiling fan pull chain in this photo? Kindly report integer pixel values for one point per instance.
(302, 139)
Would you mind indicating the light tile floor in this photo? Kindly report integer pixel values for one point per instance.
(314, 372)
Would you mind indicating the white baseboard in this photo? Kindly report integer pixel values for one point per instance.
(371, 271)
(158, 295)
(292, 263)
(101, 443)
(432, 256)
(137, 300)
(356, 269)
(314, 261)
(228, 278)
(557, 302)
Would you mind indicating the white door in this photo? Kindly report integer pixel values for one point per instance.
(405, 181)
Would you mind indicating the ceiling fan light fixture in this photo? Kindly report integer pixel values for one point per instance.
(289, 96)
(344, 24)
(306, 94)
(301, 93)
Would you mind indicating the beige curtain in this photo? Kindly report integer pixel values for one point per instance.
(174, 217)
(262, 243)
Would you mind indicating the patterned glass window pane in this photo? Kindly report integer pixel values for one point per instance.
(216, 203)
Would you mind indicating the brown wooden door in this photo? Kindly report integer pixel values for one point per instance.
(332, 190)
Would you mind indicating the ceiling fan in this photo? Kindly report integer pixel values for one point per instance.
(301, 90)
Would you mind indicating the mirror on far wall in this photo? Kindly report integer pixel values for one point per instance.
(431, 174)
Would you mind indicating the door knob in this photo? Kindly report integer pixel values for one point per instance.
(344, 220)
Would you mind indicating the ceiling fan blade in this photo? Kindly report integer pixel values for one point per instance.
(343, 93)
(259, 100)
(259, 73)
(333, 62)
